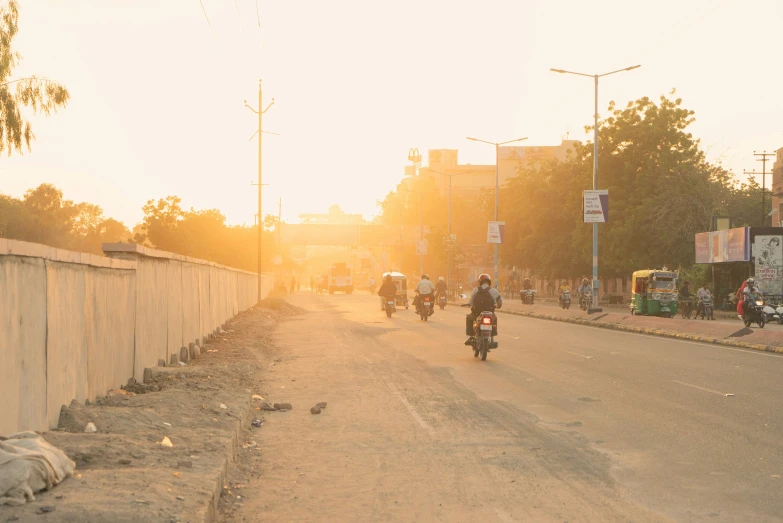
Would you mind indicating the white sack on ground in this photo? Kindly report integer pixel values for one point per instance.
(28, 464)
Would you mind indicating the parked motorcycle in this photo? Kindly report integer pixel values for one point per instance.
(771, 313)
(754, 313)
(779, 311)
(528, 296)
(565, 299)
(482, 335)
(442, 301)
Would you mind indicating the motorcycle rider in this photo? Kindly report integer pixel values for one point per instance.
(742, 296)
(477, 307)
(423, 288)
(564, 287)
(440, 287)
(387, 292)
(526, 285)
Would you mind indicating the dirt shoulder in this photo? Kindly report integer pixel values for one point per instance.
(124, 473)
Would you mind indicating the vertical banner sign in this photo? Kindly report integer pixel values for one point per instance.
(596, 206)
(496, 232)
(768, 254)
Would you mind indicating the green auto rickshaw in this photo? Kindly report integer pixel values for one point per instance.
(654, 293)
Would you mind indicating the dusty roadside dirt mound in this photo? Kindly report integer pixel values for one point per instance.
(124, 472)
(281, 306)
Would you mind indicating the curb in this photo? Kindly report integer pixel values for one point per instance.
(651, 332)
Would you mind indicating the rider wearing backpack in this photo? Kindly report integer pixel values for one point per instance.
(484, 298)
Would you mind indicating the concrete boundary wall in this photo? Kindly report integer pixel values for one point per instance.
(75, 325)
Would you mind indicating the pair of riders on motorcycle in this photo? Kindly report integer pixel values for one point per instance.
(425, 287)
(747, 295)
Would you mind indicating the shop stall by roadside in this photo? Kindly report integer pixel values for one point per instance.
(736, 254)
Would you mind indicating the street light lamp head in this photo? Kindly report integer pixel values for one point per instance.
(474, 139)
(633, 67)
(557, 70)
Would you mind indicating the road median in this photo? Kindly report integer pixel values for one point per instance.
(717, 333)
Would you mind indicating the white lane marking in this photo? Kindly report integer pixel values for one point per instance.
(410, 408)
(580, 355)
(702, 388)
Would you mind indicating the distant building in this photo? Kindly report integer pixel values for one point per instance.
(443, 163)
(335, 216)
(777, 189)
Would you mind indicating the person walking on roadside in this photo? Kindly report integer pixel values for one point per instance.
(293, 284)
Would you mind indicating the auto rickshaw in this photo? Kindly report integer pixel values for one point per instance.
(401, 281)
(654, 293)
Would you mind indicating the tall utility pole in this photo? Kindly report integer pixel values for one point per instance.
(497, 190)
(279, 236)
(415, 158)
(595, 77)
(450, 245)
(260, 132)
(763, 174)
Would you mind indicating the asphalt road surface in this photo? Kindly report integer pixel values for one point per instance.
(561, 423)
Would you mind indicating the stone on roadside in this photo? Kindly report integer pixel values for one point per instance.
(90, 428)
(125, 462)
(266, 406)
(283, 406)
(315, 410)
(321, 405)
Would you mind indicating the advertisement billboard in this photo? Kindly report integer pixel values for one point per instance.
(496, 232)
(596, 206)
(731, 245)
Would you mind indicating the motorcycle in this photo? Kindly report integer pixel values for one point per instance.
(390, 307)
(442, 301)
(565, 299)
(705, 308)
(425, 306)
(771, 313)
(586, 301)
(779, 311)
(528, 296)
(754, 313)
(482, 335)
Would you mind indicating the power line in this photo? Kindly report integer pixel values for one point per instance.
(241, 23)
(205, 13)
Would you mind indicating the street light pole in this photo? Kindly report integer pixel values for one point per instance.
(595, 78)
(497, 190)
(260, 132)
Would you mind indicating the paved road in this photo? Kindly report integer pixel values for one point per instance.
(561, 423)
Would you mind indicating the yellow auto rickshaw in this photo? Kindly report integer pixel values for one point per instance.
(401, 281)
(654, 293)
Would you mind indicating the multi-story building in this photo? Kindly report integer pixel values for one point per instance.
(443, 164)
(777, 189)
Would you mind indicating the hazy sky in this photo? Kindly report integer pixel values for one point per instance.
(157, 94)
